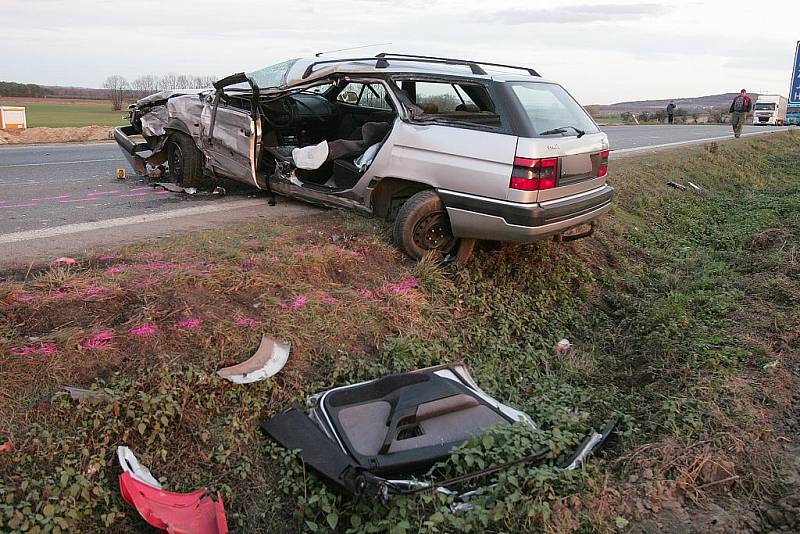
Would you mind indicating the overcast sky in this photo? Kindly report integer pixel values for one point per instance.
(603, 52)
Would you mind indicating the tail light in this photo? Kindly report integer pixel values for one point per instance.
(534, 174)
(602, 170)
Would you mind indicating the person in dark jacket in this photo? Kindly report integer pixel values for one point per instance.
(671, 112)
(740, 107)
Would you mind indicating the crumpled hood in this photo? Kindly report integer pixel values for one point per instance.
(166, 95)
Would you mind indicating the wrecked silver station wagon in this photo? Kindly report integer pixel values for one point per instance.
(450, 150)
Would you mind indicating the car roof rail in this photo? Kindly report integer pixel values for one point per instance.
(470, 62)
(382, 62)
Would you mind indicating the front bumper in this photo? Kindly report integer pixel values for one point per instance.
(132, 149)
(473, 217)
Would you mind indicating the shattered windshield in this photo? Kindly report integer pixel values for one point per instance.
(272, 76)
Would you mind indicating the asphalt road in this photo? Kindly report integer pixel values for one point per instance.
(629, 138)
(55, 190)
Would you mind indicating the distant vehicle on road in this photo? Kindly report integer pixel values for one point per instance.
(770, 110)
(450, 150)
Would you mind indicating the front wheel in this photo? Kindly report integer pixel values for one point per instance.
(422, 227)
(185, 161)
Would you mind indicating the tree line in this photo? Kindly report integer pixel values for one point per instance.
(120, 89)
(23, 89)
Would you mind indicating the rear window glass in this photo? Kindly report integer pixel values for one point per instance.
(453, 102)
(551, 109)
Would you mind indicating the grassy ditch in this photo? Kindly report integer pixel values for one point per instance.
(683, 312)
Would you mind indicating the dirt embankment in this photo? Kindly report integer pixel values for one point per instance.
(44, 134)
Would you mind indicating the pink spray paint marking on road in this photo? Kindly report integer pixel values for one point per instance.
(99, 341)
(59, 197)
(136, 194)
(144, 330)
(97, 193)
(19, 206)
(189, 324)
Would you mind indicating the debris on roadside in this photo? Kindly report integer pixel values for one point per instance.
(8, 446)
(175, 188)
(219, 191)
(694, 186)
(87, 394)
(64, 261)
(130, 464)
(194, 512)
(677, 186)
(563, 346)
(120, 174)
(267, 361)
(364, 438)
(771, 365)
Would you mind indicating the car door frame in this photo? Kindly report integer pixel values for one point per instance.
(225, 159)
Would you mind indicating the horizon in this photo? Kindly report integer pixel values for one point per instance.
(640, 50)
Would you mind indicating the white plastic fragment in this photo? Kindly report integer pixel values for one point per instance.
(563, 346)
(129, 463)
(267, 361)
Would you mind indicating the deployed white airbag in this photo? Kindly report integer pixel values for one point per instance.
(310, 157)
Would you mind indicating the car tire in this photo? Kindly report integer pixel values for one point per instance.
(185, 161)
(422, 227)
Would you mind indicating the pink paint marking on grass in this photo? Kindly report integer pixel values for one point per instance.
(107, 257)
(144, 330)
(147, 282)
(45, 349)
(24, 298)
(158, 266)
(99, 341)
(246, 321)
(59, 294)
(94, 291)
(183, 253)
(116, 269)
(296, 303)
(150, 255)
(402, 287)
(365, 294)
(327, 299)
(189, 324)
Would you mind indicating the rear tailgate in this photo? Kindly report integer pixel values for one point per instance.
(578, 164)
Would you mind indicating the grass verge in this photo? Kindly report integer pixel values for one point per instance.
(683, 312)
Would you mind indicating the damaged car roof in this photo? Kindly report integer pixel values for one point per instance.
(304, 70)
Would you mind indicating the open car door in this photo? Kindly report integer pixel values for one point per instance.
(231, 136)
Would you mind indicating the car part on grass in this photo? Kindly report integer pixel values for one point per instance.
(130, 464)
(590, 443)
(362, 439)
(87, 394)
(268, 360)
(178, 513)
(677, 186)
(694, 186)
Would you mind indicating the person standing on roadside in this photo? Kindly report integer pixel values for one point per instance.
(671, 112)
(740, 107)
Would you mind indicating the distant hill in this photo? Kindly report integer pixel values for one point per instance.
(691, 103)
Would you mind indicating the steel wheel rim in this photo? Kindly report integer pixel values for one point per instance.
(432, 232)
(176, 163)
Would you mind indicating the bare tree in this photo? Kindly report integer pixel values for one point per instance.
(201, 82)
(117, 87)
(168, 81)
(145, 85)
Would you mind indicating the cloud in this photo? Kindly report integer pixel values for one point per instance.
(577, 14)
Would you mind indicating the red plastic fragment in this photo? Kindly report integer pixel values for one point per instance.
(176, 513)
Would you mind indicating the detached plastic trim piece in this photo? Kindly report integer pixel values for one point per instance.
(268, 360)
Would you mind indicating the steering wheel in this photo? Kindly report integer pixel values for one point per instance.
(286, 112)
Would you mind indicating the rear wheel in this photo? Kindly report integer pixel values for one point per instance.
(422, 227)
(185, 161)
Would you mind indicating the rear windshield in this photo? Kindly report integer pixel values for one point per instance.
(551, 110)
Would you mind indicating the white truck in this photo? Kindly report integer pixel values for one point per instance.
(770, 110)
